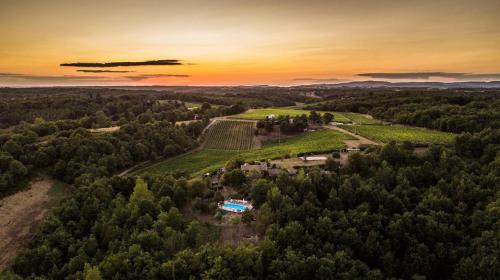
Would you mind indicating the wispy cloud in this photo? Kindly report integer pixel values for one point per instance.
(10, 75)
(429, 75)
(149, 76)
(79, 79)
(50, 78)
(103, 71)
(125, 63)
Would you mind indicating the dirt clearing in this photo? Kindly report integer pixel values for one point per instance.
(19, 215)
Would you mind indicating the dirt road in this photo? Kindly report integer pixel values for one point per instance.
(19, 215)
(360, 140)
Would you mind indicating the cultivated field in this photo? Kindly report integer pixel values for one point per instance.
(260, 114)
(361, 119)
(399, 133)
(230, 135)
(205, 160)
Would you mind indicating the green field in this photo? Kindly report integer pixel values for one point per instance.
(260, 114)
(193, 105)
(202, 161)
(230, 135)
(361, 119)
(399, 133)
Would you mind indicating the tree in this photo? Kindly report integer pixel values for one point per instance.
(264, 218)
(140, 195)
(234, 178)
(101, 119)
(327, 117)
(205, 106)
(13, 148)
(247, 217)
(17, 168)
(259, 191)
(91, 273)
(314, 117)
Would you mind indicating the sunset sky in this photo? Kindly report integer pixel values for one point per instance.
(248, 42)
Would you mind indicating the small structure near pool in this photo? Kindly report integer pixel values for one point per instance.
(313, 158)
(235, 205)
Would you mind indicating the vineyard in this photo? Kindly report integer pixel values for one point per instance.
(399, 133)
(230, 135)
(206, 160)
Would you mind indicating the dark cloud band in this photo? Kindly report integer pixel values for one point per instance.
(126, 63)
(428, 75)
(51, 78)
(102, 71)
(86, 79)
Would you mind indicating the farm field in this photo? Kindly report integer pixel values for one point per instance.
(260, 114)
(193, 105)
(361, 119)
(197, 163)
(230, 135)
(399, 133)
(206, 160)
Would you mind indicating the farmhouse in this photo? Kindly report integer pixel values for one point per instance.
(259, 168)
(273, 172)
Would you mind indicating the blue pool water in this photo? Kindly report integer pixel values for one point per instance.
(237, 207)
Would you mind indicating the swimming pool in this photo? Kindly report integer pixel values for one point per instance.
(235, 207)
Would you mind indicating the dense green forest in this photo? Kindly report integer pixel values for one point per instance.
(446, 110)
(99, 107)
(80, 156)
(389, 213)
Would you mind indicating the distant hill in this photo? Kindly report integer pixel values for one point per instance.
(382, 84)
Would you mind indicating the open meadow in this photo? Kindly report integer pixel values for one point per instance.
(361, 119)
(399, 133)
(260, 114)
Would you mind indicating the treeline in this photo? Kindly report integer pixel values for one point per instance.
(294, 124)
(453, 111)
(387, 214)
(250, 96)
(98, 107)
(92, 109)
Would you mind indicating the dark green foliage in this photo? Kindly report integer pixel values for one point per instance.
(125, 237)
(388, 214)
(448, 110)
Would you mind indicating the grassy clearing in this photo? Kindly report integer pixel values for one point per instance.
(230, 135)
(105, 129)
(192, 105)
(361, 119)
(202, 161)
(399, 133)
(197, 163)
(260, 114)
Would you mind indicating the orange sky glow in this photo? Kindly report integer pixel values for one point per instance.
(247, 42)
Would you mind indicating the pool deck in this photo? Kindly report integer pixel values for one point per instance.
(243, 203)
